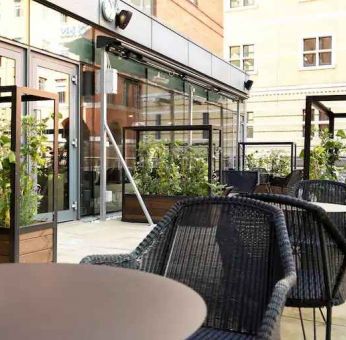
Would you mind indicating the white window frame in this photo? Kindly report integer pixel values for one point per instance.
(242, 57)
(316, 51)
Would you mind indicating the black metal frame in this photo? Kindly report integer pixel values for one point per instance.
(209, 128)
(244, 144)
(316, 102)
(17, 96)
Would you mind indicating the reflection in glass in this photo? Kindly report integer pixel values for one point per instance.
(325, 58)
(7, 77)
(56, 82)
(310, 44)
(14, 20)
(146, 96)
(65, 36)
(309, 59)
(325, 43)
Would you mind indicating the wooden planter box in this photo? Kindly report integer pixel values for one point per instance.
(36, 244)
(157, 206)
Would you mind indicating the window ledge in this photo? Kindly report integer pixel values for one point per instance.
(316, 68)
(241, 8)
(252, 73)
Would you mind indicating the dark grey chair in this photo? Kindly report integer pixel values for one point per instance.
(286, 185)
(319, 251)
(241, 181)
(321, 191)
(234, 252)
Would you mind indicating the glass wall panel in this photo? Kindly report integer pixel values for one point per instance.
(14, 20)
(146, 96)
(66, 36)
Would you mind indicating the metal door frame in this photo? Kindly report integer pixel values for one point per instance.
(40, 60)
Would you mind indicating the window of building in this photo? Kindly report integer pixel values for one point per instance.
(243, 56)
(62, 97)
(205, 119)
(249, 125)
(317, 51)
(319, 122)
(42, 83)
(158, 123)
(18, 8)
(241, 3)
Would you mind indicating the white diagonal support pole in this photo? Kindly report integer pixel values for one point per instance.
(103, 149)
(104, 131)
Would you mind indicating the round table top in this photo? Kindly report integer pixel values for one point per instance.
(66, 301)
(330, 207)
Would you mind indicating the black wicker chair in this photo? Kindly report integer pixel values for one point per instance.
(234, 252)
(321, 191)
(319, 251)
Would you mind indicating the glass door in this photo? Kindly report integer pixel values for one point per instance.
(56, 76)
(11, 65)
(11, 73)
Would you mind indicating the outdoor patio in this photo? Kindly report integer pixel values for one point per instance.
(90, 236)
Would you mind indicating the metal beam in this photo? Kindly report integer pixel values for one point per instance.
(323, 108)
(103, 149)
(307, 141)
(328, 98)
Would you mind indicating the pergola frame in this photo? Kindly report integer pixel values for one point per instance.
(315, 101)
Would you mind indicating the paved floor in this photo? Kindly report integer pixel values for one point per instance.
(80, 238)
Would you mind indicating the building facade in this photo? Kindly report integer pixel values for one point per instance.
(291, 49)
(163, 78)
(199, 20)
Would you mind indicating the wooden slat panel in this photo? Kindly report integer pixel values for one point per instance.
(4, 237)
(34, 234)
(43, 256)
(32, 245)
(5, 247)
(4, 259)
(157, 207)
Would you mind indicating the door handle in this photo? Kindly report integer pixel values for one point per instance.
(74, 142)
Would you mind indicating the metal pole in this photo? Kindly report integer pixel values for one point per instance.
(103, 150)
(307, 141)
(192, 91)
(128, 174)
(238, 133)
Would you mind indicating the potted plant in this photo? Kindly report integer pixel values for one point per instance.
(325, 156)
(33, 240)
(165, 173)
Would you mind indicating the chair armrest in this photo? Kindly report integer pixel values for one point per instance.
(227, 190)
(120, 260)
(270, 326)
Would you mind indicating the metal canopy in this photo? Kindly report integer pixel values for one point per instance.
(315, 101)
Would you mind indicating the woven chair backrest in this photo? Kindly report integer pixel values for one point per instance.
(318, 250)
(227, 251)
(321, 191)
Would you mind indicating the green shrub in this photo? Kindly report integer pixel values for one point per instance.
(276, 162)
(323, 157)
(33, 159)
(171, 168)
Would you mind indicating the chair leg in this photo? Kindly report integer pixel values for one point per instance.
(323, 317)
(302, 323)
(314, 322)
(329, 323)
